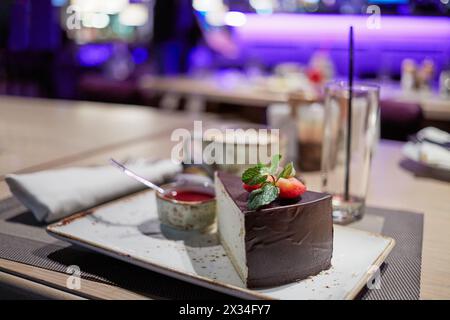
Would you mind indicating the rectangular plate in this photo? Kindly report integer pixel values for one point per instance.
(128, 229)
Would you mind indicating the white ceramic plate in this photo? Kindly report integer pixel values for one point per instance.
(128, 229)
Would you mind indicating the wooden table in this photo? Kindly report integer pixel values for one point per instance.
(39, 134)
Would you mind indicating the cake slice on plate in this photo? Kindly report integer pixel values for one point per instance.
(278, 243)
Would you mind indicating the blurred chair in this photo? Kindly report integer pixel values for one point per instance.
(96, 87)
(399, 119)
(33, 38)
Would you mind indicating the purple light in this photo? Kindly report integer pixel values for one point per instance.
(290, 27)
(140, 55)
(295, 37)
(91, 55)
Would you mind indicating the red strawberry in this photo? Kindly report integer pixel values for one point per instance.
(290, 188)
(250, 188)
(315, 75)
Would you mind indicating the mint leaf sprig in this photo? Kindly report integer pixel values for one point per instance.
(288, 171)
(259, 175)
(263, 196)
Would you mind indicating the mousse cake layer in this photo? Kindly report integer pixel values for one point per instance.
(281, 243)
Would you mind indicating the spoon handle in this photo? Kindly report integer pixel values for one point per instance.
(135, 176)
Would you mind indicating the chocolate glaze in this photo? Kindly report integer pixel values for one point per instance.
(285, 241)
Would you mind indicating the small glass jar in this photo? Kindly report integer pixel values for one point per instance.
(186, 205)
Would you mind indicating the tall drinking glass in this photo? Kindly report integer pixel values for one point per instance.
(345, 171)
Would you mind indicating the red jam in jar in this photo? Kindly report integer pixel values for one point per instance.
(190, 196)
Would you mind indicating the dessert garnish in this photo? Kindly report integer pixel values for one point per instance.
(266, 183)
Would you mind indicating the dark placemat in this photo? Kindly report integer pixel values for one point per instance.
(24, 240)
(400, 273)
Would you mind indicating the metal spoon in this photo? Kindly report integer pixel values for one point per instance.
(135, 176)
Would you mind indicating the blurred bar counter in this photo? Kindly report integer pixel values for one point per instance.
(212, 89)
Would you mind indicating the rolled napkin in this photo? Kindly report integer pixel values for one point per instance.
(434, 135)
(434, 155)
(430, 147)
(54, 194)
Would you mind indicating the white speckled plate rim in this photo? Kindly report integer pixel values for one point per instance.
(55, 230)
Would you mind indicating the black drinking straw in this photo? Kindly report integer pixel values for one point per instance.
(349, 116)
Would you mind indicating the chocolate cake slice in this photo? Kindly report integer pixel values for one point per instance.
(278, 244)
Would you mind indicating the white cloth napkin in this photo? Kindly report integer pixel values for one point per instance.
(430, 148)
(434, 155)
(54, 194)
(434, 134)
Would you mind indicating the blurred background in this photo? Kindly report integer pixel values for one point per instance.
(236, 58)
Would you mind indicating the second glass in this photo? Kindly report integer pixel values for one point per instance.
(349, 190)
